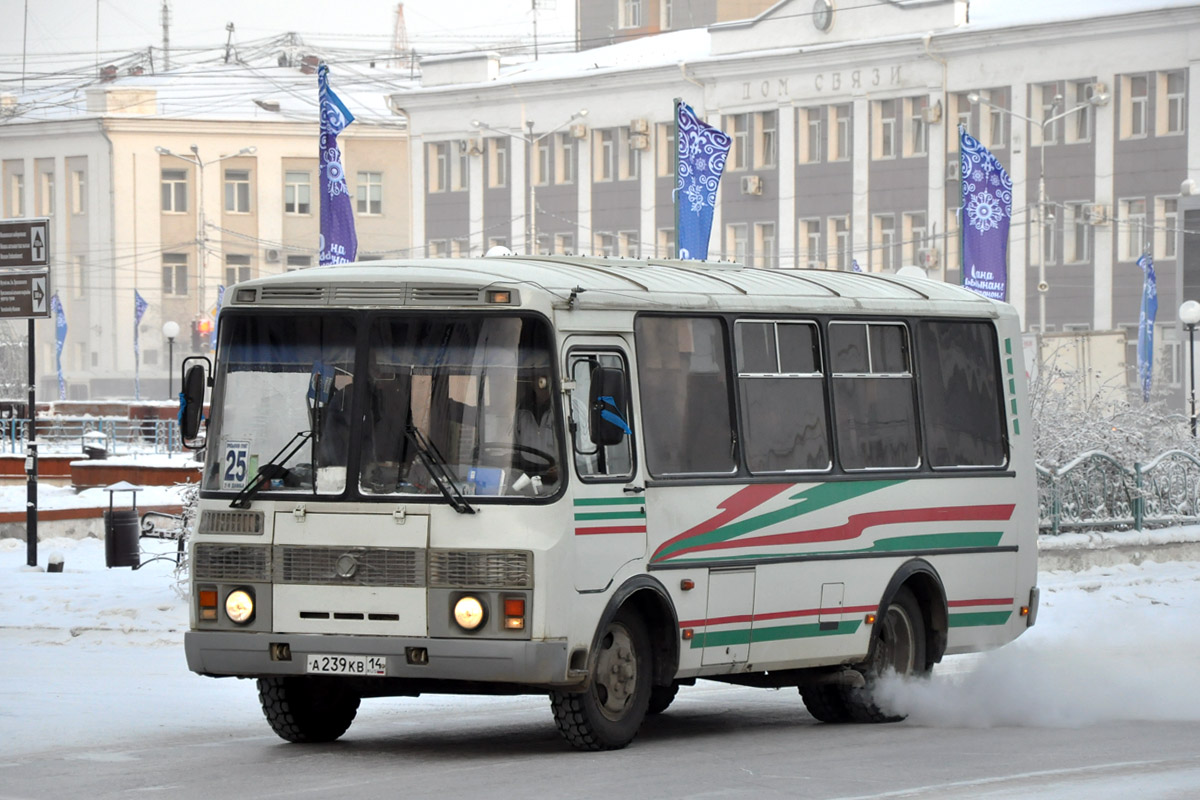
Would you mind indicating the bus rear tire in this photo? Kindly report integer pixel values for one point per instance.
(307, 709)
(826, 702)
(661, 698)
(897, 645)
(607, 715)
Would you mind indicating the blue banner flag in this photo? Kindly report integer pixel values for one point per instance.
(60, 338)
(986, 213)
(339, 243)
(700, 159)
(1145, 351)
(139, 309)
(212, 344)
(854, 267)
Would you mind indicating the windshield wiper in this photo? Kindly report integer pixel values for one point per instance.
(436, 466)
(275, 468)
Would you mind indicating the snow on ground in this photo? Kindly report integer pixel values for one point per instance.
(93, 656)
(51, 497)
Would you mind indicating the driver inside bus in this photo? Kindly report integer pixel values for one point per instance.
(536, 451)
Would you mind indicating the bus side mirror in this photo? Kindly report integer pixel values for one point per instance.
(607, 402)
(191, 401)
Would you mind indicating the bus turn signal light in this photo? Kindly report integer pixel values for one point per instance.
(514, 613)
(870, 619)
(208, 605)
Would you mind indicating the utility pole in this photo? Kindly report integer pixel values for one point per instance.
(166, 26)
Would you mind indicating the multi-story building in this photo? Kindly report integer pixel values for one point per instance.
(173, 185)
(844, 119)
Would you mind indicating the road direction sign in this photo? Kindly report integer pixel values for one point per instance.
(24, 294)
(25, 243)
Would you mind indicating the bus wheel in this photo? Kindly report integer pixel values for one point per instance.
(897, 645)
(307, 709)
(661, 698)
(826, 702)
(608, 714)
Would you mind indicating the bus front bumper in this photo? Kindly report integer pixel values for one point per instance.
(221, 654)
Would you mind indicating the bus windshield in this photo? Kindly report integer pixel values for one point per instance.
(435, 406)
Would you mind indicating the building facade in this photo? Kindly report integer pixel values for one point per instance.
(845, 149)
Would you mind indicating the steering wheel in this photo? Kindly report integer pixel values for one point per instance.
(528, 459)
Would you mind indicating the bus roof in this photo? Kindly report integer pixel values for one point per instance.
(591, 282)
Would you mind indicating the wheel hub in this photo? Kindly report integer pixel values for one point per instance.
(616, 673)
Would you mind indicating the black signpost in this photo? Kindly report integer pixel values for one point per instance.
(25, 294)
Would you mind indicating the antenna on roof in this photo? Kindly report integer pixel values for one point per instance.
(166, 26)
(228, 41)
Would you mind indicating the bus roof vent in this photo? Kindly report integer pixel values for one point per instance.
(458, 295)
(292, 294)
(390, 295)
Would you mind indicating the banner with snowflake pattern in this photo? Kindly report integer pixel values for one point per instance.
(700, 159)
(1145, 344)
(986, 213)
(339, 242)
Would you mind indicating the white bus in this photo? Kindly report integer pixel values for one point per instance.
(602, 479)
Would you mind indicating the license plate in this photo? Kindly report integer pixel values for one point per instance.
(346, 665)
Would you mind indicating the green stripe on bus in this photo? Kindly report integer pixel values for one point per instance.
(609, 501)
(1014, 406)
(772, 634)
(939, 541)
(1009, 364)
(1008, 346)
(1016, 427)
(1012, 386)
(978, 618)
(610, 515)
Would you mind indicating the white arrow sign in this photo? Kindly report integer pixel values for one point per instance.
(39, 295)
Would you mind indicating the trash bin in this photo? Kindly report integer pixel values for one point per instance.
(122, 530)
(95, 444)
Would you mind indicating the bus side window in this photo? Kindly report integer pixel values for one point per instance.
(614, 461)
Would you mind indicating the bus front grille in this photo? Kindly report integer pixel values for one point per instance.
(480, 569)
(349, 566)
(231, 562)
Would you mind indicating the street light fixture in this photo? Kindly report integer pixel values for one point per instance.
(1189, 315)
(201, 228)
(530, 140)
(170, 330)
(1096, 100)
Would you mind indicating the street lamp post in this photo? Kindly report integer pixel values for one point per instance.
(530, 142)
(170, 330)
(201, 227)
(1098, 99)
(1189, 315)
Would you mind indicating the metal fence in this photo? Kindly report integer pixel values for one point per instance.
(118, 436)
(1094, 490)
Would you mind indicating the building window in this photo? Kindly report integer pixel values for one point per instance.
(738, 127)
(1134, 102)
(842, 254)
(497, 241)
(735, 242)
(542, 152)
(564, 243)
(885, 128)
(564, 157)
(917, 139)
(764, 245)
(766, 139)
(237, 191)
(1049, 242)
(630, 244)
(460, 167)
(606, 244)
(1131, 229)
(1166, 220)
(1051, 104)
(839, 133)
(1076, 242)
(78, 191)
(175, 274)
(630, 13)
(298, 262)
(664, 147)
(962, 118)
(914, 237)
(237, 268)
(439, 167)
(810, 243)
(297, 193)
(497, 153)
(997, 119)
(1079, 124)
(16, 195)
(437, 248)
(666, 243)
(460, 248)
(79, 275)
(808, 132)
(665, 15)
(47, 198)
(629, 157)
(605, 155)
(174, 191)
(884, 253)
(1171, 102)
(369, 191)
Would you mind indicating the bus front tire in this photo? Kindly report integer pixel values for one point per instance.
(307, 709)
(607, 715)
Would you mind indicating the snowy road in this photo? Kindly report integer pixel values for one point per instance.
(1098, 700)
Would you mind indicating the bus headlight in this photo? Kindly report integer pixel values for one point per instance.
(469, 612)
(239, 606)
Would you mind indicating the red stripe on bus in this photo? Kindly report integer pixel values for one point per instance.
(994, 601)
(857, 523)
(804, 612)
(612, 529)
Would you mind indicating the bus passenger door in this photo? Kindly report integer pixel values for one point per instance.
(609, 523)
(730, 609)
